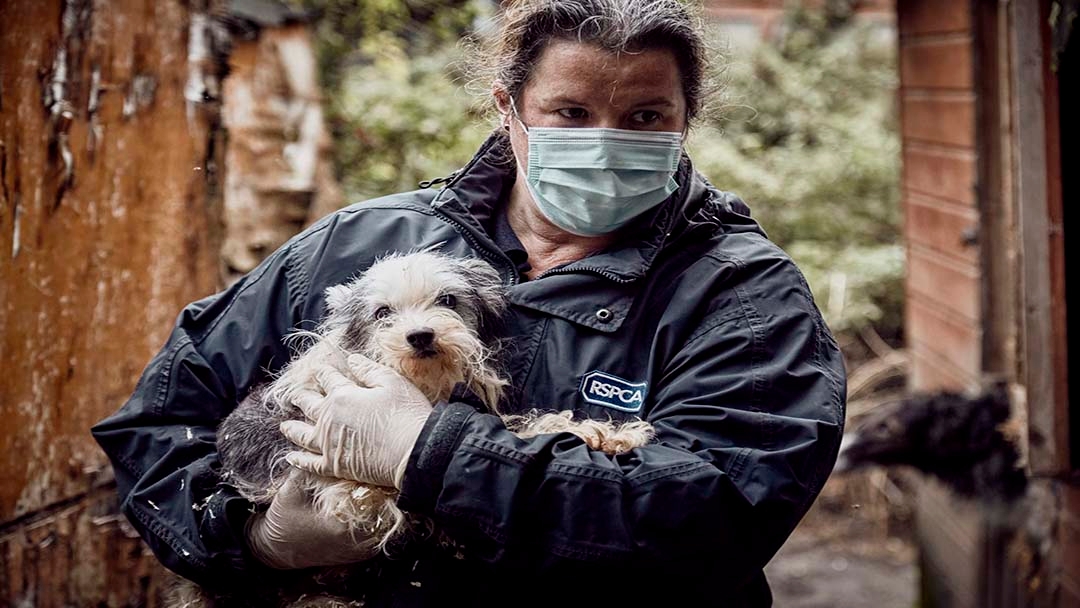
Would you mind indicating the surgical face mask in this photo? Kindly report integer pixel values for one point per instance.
(591, 181)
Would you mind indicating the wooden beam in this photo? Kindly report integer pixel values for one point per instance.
(1042, 296)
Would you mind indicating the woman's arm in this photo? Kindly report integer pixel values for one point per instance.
(748, 415)
(162, 442)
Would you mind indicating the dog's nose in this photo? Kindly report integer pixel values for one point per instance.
(421, 339)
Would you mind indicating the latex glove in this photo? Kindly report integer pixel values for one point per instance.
(292, 534)
(363, 432)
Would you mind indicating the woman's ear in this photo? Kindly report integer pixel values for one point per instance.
(502, 104)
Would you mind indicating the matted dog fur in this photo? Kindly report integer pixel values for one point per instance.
(433, 318)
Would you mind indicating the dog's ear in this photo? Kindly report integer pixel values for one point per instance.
(337, 297)
(485, 283)
(487, 287)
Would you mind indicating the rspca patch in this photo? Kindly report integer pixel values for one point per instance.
(610, 391)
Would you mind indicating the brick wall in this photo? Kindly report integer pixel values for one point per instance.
(937, 101)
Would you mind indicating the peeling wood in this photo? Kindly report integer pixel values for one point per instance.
(280, 175)
(208, 48)
(108, 237)
(140, 94)
(93, 103)
(15, 234)
(112, 149)
(74, 26)
(81, 554)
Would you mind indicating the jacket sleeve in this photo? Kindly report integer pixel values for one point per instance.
(748, 410)
(162, 441)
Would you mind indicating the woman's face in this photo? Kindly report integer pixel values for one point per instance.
(576, 84)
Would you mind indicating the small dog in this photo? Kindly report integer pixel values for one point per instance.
(433, 318)
(968, 441)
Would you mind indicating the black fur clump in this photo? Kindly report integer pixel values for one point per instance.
(252, 448)
(955, 437)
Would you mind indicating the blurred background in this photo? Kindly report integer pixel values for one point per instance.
(909, 154)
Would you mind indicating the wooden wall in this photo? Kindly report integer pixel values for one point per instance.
(279, 155)
(1068, 539)
(110, 149)
(937, 101)
(985, 285)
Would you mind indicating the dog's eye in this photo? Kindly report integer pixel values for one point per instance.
(448, 300)
(382, 312)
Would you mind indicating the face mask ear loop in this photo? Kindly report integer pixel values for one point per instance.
(517, 117)
(521, 170)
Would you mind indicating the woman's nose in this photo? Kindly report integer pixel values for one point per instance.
(604, 121)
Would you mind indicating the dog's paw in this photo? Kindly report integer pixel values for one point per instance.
(614, 445)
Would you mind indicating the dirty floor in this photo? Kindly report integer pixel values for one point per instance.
(853, 550)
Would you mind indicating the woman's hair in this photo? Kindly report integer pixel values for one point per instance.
(618, 26)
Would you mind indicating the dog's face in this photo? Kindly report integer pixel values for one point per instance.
(429, 316)
(958, 438)
(929, 431)
(894, 434)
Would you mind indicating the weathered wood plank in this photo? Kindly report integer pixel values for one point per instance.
(947, 336)
(937, 63)
(939, 118)
(951, 284)
(945, 173)
(110, 227)
(946, 228)
(921, 17)
(1042, 244)
(81, 553)
(110, 147)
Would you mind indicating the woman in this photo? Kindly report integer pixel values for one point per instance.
(636, 289)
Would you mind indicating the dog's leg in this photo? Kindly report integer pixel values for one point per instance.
(252, 449)
(371, 512)
(607, 437)
(627, 436)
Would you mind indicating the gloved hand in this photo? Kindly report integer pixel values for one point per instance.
(363, 432)
(292, 534)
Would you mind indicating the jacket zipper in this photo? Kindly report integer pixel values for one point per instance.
(491, 257)
(478, 246)
(607, 275)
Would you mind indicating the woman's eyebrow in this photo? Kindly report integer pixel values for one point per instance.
(562, 99)
(576, 101)
(659, 101)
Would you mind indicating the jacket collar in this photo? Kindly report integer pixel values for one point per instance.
(473, 192)
(573, 292)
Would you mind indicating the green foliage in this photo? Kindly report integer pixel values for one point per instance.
(809, 141)
(405, 121)
(396, 106)
(418, 27)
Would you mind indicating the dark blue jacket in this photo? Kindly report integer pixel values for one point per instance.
(697, 324)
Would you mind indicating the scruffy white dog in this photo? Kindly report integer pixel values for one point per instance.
(433, 318)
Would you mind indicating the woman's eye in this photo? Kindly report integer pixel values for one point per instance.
(448, 300)
(382, 312)
(646, 117)
(573, 113)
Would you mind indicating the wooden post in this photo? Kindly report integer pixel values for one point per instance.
(1042, 246)
(110, 161)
